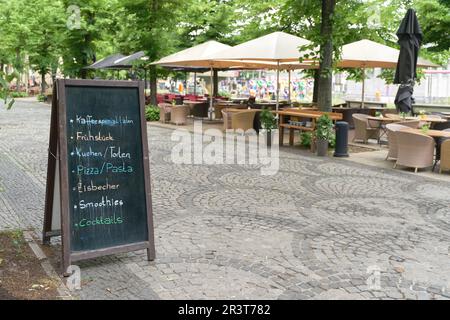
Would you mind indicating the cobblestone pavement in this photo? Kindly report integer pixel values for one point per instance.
(319, 229)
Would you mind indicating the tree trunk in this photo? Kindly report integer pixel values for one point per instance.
(316, 86)
(43, 86)
(153, 86)
(19, 72)
(326, 57)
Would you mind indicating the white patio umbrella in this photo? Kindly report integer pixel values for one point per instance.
(275, 48)
(369, 54)
(204, 56)
(200, 57)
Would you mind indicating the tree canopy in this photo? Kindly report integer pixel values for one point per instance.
(47, 35)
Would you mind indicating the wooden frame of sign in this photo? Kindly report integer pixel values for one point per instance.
(63, 195)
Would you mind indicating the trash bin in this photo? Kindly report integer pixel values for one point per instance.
(341, 149)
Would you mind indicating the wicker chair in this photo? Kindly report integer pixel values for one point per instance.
(441, 126)
(394, 116)
(391, 129)
(179, 114)
(440, 141)
(164, 112)
(415, 150)
(445, 156)
(411, 124)
(363, 130)
(200, 110)
(242, 120)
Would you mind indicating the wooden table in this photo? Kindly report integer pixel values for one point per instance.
(381, 125)
(431, 133)
(313, 115)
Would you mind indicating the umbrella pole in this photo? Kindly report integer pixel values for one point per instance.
(195, 83)
(211, 101)
(363, 87)
(289, 86)
(278, 86)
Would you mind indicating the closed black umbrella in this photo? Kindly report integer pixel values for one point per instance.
(409, 38)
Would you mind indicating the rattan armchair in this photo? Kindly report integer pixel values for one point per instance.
(200, 110)
(241, 120)
(415, 124)
(164, 112)
(445, 156)
(415, 150)
(179, 114)
(391, 129)
(363, 130)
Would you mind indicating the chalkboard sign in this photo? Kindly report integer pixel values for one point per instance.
(98, 180)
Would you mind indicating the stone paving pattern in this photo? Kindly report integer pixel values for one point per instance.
(225, 232)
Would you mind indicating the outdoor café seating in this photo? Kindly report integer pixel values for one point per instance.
(179, 114)
(415, 150)
(200, 110)
(164, 112)
(391, 129)
(363, 130)
(440, 150)
(414, 124)
(445, 156)
(238, 120)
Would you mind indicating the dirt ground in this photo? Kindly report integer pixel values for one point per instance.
(21, 274)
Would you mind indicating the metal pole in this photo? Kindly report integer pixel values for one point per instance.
(278, 85)
(195, 83)
(289, 86)
(211, 102)
(363, 87)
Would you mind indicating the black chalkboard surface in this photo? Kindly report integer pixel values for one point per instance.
(106, 176)
(103, 170)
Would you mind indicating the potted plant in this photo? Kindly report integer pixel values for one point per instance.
(324, 133)
(422, 114)
(268, 123)
(425, 128)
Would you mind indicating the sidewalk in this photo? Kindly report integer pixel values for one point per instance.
(317, 229)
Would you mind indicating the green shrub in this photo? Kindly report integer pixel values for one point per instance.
(41, 97)
(306, 139)
(268, 120)
(16, 94)
(152, 113)
(224, 94)
(332, 141)
(324, 129)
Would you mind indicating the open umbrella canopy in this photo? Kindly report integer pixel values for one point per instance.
(274, 47)
(128, 61)
(106, 62)
(370, 54)
(196, 57)
(409, 38)
(118, 61)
